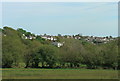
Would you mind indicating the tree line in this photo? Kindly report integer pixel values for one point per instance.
(40, 53)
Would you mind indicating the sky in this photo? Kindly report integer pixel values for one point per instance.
(86, 18)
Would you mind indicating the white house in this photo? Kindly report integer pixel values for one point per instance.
(28, 37)
(58, 44)
(77, 37)
(49, 38)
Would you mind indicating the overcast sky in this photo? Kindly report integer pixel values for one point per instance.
(88, 18)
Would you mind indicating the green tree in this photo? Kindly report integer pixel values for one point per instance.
(71, 53)
(31, 50)
(12, 48)
(21, 30)
(48, 54)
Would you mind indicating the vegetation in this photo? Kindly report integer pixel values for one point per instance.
(40, 53)
(32, 74)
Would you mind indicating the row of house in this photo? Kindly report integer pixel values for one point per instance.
(54, 39)
(91, 39)
(28, 37)
(72, 37)
(48, 37)
(98, 39)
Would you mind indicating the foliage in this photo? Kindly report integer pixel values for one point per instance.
(13, 48)
(47, 53)
(41, 53)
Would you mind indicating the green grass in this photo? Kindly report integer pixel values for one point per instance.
(30, 73)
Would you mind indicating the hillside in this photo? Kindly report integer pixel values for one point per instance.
(25, 49)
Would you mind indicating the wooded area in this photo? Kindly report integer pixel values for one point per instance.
(40, 53)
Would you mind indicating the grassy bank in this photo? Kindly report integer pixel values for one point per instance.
(19, 73)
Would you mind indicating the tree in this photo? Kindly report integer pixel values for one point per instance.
(59, 35)
(28, 34)
(21, 30)
(111, 54)
(48, 54)
(118, 53)
(43, 41)
(31, 52)
(12, 48)
(71, 53)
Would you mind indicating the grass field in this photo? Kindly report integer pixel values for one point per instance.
(58, 74)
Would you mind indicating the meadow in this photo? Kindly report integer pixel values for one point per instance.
(29, 73)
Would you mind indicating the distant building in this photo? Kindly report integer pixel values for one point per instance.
(28, 37)
(58, 44)
(77, 37)
(47, 37)
(98, 39)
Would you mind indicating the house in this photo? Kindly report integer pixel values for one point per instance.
(98, 40)
(28, 37)
(47, 37)
(68, 36)
(58, 44)
(77, 37)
